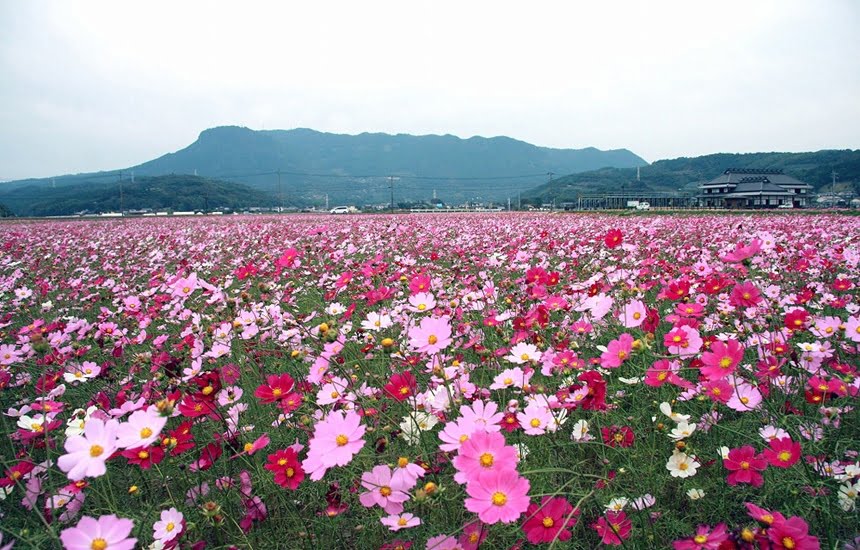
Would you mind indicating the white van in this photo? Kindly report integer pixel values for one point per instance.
(339, 210)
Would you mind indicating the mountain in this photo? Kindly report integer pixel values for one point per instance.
(173, 192)
(686, 173)
(353, 169)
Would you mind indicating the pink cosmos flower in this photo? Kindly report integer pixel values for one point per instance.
(170, 526)
(852, 328)
(336, 440)
(406, 473)
(141, 430)
(745, 466)
(484, 416)
(516, 377)
(783, 452)
(617, 351)
(535, 419)
(613, 528)
(105, 533)
(431, 336)
(722, 359)
(383, 491)
(86, 454)
(396, 522)
(744, 397)
(523, 353)
(705, 538)
(482, 452)
(498, 495)
(741, 252)
(455, 434)
(745, 295)
(683, 341)
(633, 314)
(792, 534)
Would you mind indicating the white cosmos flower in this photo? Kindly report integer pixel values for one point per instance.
(681, 465)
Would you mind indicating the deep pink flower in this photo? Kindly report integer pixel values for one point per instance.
(722, 359)
(792, 534)
(549, 521)
(704, 539)
(783, 452)
(613, 528)
(745, 466)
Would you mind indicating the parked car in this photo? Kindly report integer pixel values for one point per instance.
(340, 210)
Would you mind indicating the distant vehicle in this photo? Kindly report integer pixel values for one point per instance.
(785, 206)
(339, 210)
(643, 206)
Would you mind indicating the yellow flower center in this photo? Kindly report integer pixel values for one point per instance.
(432, 339)
(207, 390)
(422, 307)
(524, 357)
(248, 447)
(402, 462)
(548, 522)
(277, 392)
(637, 316)
(622, 355)
(463, 438)
(508, 381)
(682, 466)
(784, 456)
(726, 362)
(499, 498)
(96, 450)
(404, 390)
(486, 460)
(535, 422)
(700, 539)
(98, 544)
(145, 432)
(282, 462)
(401, 522)
(788, 542)
(170, 527)
(385, 491)
(290, 472)
(745, 465)
(143, 455)
(341, 440)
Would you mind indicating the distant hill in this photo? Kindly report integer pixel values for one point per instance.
(173, 192)
(685, 174)
(352, 169)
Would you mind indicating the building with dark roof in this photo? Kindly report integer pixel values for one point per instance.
(754, 188)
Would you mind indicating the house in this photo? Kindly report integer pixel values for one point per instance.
(754, 188)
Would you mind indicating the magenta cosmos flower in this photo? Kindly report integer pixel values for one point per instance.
(704, 539)
(498, 495)
(105, 533)
(86, 454)
(745, 466)
(336, 440)
(483, 452)
(722, 359)
(617, 351)
(431, 336)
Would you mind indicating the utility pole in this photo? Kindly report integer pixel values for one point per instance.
(132, 176)
(834, 175)
(326, 201)
(509, 204)
(121, 201)
(391, 187)
(519, 200)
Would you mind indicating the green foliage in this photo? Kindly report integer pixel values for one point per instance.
(173, 192)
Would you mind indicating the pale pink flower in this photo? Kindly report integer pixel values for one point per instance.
(383, 490)
(105, 533)
(396, 522)
(336, 440)
(169, 526)
(86, 454)
(431, 336)
(141, 429)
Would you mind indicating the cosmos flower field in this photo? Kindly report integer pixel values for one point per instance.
(431, 381)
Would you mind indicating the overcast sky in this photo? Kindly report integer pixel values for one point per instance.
(92, 85)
